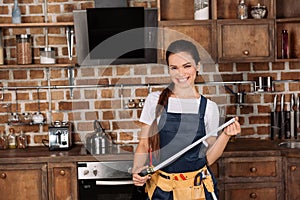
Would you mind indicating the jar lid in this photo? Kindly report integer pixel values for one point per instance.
(25, 36)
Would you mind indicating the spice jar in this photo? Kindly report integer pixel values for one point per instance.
(22, 141)
(47, 55)
(12, 140)
(3, 141)
(24, 51)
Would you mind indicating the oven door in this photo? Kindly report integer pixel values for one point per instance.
(110, 190)
(108, 181)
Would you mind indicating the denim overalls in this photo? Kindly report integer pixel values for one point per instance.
(177, 130)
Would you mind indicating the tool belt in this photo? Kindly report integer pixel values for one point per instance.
(188, 185)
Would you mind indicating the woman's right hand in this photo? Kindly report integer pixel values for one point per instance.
(137, 179)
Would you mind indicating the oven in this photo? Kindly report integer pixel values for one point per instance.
(107, 180)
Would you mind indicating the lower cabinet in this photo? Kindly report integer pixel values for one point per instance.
(38, 181)
(23, 181)
(62, 181)
(252, 178)
(266, 191)
(292, 178)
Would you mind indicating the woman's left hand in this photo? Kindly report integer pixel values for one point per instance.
(233, 129)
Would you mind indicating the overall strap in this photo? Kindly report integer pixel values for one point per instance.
(202, 108)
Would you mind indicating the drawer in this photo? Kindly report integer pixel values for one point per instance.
(261, 191)
(259, 169)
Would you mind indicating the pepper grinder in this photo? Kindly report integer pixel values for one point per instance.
(284, 44)
(242, 10)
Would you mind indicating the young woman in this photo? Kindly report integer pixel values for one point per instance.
(173, 119)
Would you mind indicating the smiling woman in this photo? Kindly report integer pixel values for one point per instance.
(174, 119)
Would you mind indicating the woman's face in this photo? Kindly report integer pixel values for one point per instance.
(182, 69)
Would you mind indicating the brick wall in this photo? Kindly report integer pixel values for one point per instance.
(108, 103)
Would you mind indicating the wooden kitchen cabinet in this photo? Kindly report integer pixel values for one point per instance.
(251, 40)
(292, 178)
(23, 181)
(62, 181)
(247, 41)
(253, 178)
(288, 18)
(202, 32)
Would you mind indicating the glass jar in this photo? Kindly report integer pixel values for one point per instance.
(201, 8)
(24, 51)
(3, 141)
(242, 10)
(47, 55)
(22, 141)
(12, 140)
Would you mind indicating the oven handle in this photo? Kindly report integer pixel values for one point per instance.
(128, 182)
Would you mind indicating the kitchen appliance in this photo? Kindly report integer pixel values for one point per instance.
(98, 142)
(107, 180)
(128, 37)
(60, 135)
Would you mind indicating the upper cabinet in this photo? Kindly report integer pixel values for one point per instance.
(248, 41)
(229, 39)
(176, 20)
(288, 18)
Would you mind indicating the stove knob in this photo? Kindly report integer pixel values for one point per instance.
(86, 172)
(95, 172)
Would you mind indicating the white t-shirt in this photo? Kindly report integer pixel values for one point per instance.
(176, 105)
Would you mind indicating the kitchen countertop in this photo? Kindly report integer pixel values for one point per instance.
(240, 147)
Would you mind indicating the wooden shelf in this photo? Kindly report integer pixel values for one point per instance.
(37, 25)
(285, 20)
(38, 66)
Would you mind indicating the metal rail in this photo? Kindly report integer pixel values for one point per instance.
(119, 85)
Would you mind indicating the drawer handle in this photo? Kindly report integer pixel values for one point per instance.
(253, 169)
(293, 168)
(253, 195)
(3, 175)
(246, 52)
(62, 172)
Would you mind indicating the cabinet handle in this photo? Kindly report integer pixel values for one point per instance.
(3, 175)
(253, 169)
(253, 195)
(293, 168)
(246, 52)
(62, 172)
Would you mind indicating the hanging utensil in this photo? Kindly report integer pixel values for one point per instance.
(292, 116)
(274, 120)
(37, 117)
(282, 118)
(297, 118)
(70, 40)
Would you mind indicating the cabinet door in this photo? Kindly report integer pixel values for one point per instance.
(62, 181)
(245, 40)
(293, 179)
(23, 182)
(263, 191)
(248, 169)
(201, 32)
